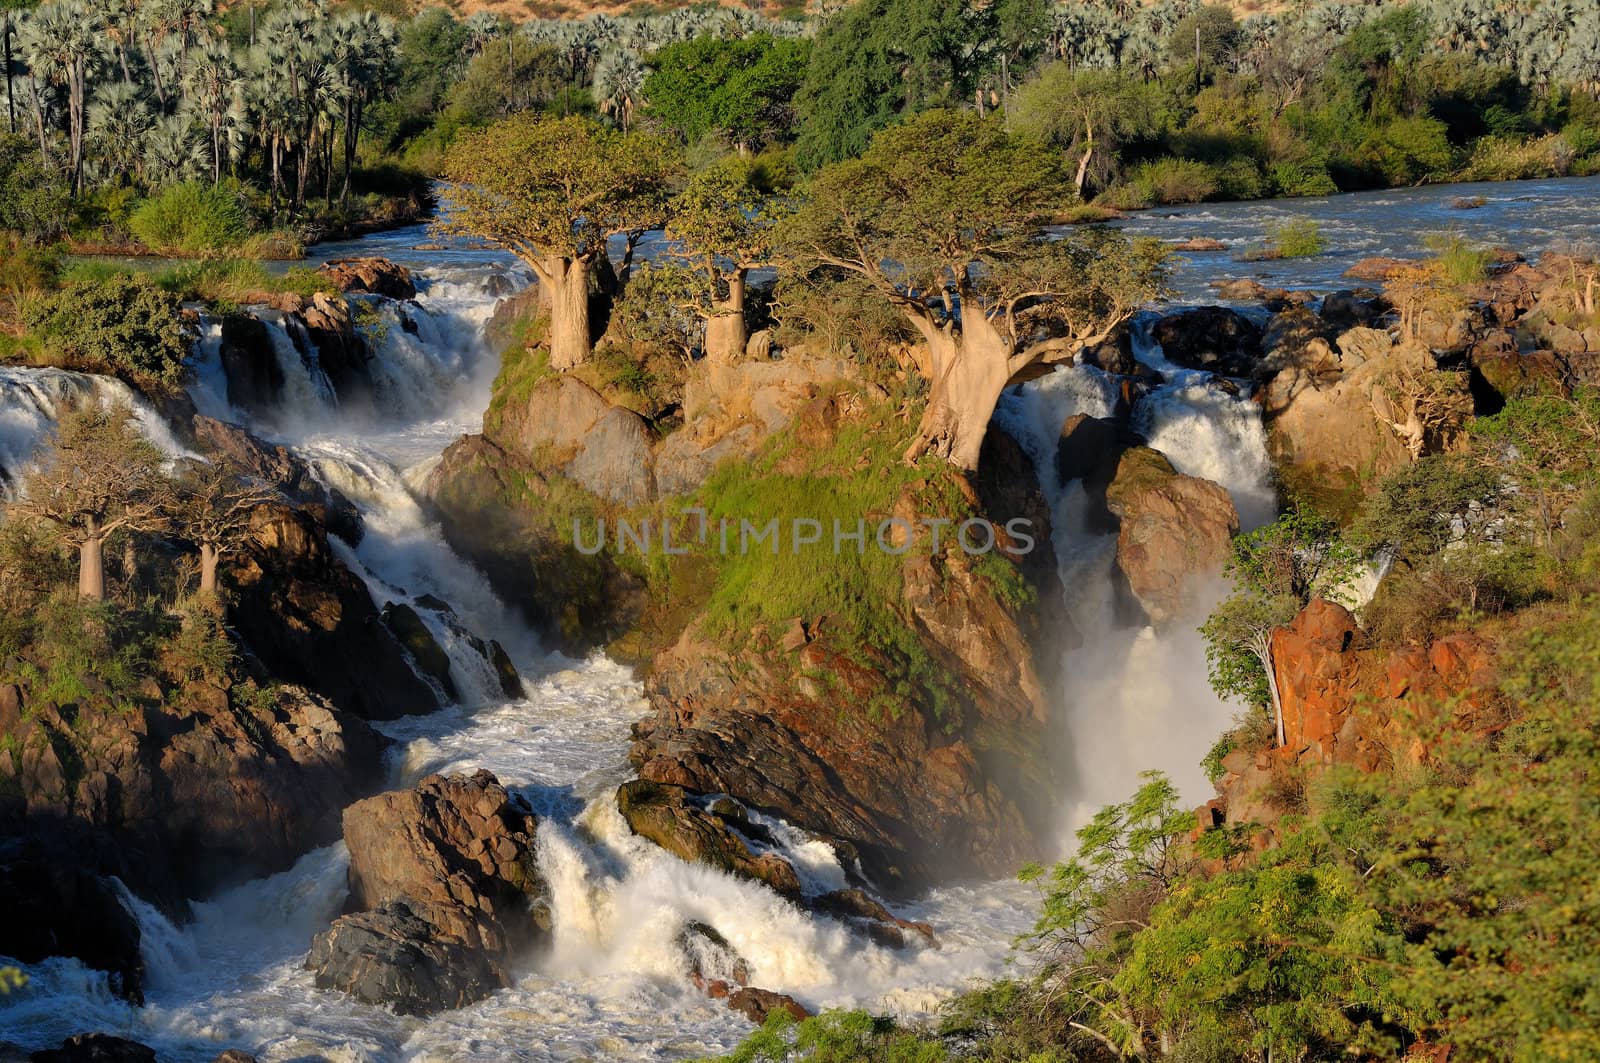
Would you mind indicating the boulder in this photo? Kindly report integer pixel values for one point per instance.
(1345, 310)
(1175, 533)
(415, 636)
(1200, 243)
(1360, 345)
(255, 379)
(393, 958)
(1501, 372)
(1297, 337)
(863, 911)
(1212, 338)
(614, 462)
(685, 459)
(442, 878)
(567, 426)
(1089, 450)
(667, 816)
(757, 1004)
(375, 276)
(1113, 354)
(1377, 268)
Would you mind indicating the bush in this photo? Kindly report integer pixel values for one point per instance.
(26, 274)
(1460, 261)
(34, 201)
(122, 325)
(1299, 238)
(1513, 158)
(1407, 150)
(1240, 178)
(192, 219)
(1297, 179)
(1171, 181)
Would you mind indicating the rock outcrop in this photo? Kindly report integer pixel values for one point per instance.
(56, 909)
(310, 620)
(718, 837)
(445, 892)
(201, 785)
(1173, 533)
(375, 276)
(1347, 702)
(1212, 338)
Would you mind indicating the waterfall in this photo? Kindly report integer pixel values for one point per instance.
(1135, 699)
(32, 400)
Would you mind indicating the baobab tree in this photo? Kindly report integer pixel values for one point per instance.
(99, 476)
(940, 217)
(212, 507)
(723, 227)
(552, 192)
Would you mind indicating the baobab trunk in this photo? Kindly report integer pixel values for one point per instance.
(969, 370)
(210, 555)
(566, 288)
(726, 333)
(92, 568)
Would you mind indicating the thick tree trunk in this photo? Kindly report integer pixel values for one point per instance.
(566, 284)
(209, 557)
(969, 371)
(92, 568)
(726, 334)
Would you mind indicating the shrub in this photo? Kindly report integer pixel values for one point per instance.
(34, 201)
(1296, 179)
(192, 219)
(1123, 197)
(1176, 181)
(26, 274)
(1460, 261)
(1407, 150)
(1297, 238)
(122, 325)
(1240, 178)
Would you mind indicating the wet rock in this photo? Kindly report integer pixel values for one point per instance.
(235, 1055)
(255, 380)
(665, 815)
(393, 958)
(1174, 533)
(375, 276)
(711, 959)
(1089, 450)
(1200, 243)
(58, 910)
(1241, 290)
(418, 640)
(505, 670)
(881, 924)
(757, 1004)
(312, 621)
(1212, 338)
(441, 880)
(96, 1048)
(1113, 355)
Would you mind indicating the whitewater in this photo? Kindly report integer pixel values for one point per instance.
(611, 983)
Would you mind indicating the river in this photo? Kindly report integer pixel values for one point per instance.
(611, 984)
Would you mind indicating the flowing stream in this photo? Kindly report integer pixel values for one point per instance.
(611, 984)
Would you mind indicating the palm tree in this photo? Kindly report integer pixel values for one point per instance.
(211, 88)
(64, 40)
(10, 21)
(122, 31)
(118, 129)
(365, 54)
(173, 153)
(619, 86)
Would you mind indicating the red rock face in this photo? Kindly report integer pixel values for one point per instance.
(1344, 704)
(1348, 703)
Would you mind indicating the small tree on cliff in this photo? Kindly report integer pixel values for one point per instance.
(100, 476)
(940, 217)
(723, 227)
(1276, 570)
(553, 191)
(212, 509)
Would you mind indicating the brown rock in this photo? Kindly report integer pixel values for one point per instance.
(1200, 243)
(377, 276)
(664, 814)
(1175, 533)
(1213, 338)
(1377, 268)
(757, 1004)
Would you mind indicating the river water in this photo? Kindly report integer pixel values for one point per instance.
(611, 985)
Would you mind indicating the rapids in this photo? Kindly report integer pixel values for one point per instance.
(610, 984)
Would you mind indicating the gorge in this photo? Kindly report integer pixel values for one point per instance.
(455, 671)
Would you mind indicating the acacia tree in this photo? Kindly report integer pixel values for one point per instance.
(213, 509)
(940, 217)
(553, 191)
(724, 228)
(100, 476)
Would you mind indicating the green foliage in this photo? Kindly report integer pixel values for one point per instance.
(35, 202)
(1461, 262)
(740, 88)
(1172, 181)
(1422, 508)
(122, 325)
(833, 1037)
(192, 219)
(1297, 238)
